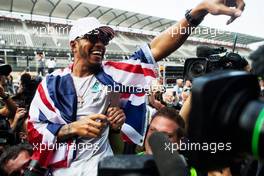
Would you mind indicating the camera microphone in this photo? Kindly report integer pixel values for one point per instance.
(206, 51)
(169, 162)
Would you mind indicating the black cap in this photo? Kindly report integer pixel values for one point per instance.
(5, 69)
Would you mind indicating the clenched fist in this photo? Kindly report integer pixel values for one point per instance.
(116, 117)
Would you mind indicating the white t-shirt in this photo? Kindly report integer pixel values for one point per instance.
(90, 150)
(51, 63)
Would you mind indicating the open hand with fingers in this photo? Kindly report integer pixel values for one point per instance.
(20, 113)
(171, 39)
(232, 8)
(116, 117)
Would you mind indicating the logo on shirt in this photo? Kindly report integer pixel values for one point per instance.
(96, 87)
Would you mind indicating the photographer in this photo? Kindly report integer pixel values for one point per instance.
(8, 107)
(15, 160)
(26, 91)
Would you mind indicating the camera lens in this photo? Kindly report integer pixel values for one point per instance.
(252, 129)
(197, 69)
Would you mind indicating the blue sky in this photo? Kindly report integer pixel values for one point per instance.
(251, 21)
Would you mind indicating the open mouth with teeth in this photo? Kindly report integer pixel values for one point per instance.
(97, 53)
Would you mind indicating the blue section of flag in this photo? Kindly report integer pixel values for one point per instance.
(135, 116)
(54, 128)
(62, 92)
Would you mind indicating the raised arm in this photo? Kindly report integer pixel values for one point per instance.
(172, 38)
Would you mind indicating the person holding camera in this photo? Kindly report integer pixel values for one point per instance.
(70, 105)
(8, 107)
(15, 160)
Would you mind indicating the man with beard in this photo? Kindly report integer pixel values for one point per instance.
(74, 105)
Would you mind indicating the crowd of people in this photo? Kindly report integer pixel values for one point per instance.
(15, 103)
(76, 108)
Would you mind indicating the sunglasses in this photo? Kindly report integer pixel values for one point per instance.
(97, 35)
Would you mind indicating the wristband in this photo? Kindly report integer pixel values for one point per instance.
(191, 20)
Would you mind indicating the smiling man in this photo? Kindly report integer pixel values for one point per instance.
(73, 106)
(167, 121)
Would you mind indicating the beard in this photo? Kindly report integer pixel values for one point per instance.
(94, 68)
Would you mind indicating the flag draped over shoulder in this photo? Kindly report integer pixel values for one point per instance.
(55, 104)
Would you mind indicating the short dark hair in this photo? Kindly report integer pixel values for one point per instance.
(25, 79)
(172, 114)
(11, 153)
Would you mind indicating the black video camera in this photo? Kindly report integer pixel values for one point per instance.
(224, 112)
(226, 108)
(6, 135)
(212, 59)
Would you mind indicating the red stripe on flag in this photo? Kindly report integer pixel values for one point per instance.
(41, 152)
(131, 68)
(126, 139)
(127, 95)
(33, 135)
(63, 163)
(140, 94)
(59, 164)
(44, 98)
